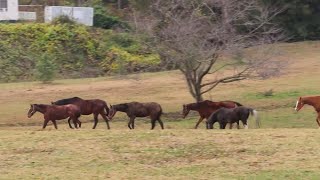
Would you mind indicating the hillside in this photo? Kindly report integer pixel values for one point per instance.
(286, 147)
(169, 89)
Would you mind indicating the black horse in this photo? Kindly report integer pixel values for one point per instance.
(233, 115)
(137, 109)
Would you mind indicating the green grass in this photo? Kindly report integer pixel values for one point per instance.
(282, 95)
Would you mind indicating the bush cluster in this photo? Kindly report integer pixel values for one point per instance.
(68, 50)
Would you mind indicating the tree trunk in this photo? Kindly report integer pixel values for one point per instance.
(78, 3)
(194, 85)
(119, 4)
(34, 2)
(199, 97)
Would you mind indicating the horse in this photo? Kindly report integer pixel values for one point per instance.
(137, 109)
(232, 115)
(206, 108)
(312, 101)
(91, 106)
(53, 113)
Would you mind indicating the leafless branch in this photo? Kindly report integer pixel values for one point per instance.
(194, 33)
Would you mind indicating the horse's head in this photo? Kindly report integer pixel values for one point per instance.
(32, 110)
(112, 111)
(299, 104)
(185, 111)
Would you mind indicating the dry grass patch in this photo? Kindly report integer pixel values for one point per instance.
(174, 154)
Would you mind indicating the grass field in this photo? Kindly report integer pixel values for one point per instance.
(284, 148)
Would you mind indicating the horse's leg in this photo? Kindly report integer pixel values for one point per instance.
(153, 123)
(95, 116)
(75, 122)
(221, 125)
(70, 123)
(45, 123)
(199, 121)
(161, 123)
(55, 124)
(318, 120)
(224, 125)
(230, 125)
(132, 122)
(238, 126)
(79, 122)
(105, 119)
(245, 124)
(209, 124)
(129, 124)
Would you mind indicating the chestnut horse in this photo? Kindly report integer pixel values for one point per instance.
(312, 101)
(206, 108)
(53, 113)
(232, 115)
(136, 109)
(91, 106)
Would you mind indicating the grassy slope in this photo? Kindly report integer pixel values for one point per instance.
(178, 152)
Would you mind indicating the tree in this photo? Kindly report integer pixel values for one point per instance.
(195, 34)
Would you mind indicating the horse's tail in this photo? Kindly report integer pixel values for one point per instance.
(254, 113)
(107, 109)
(238, 104)
(161, 111)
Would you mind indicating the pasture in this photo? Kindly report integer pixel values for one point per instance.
(285, 147)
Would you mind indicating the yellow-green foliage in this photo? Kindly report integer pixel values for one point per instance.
(118, 59)
(78, 51)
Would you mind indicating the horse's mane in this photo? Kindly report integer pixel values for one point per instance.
(41, 106)
(122, 106)
(238, 104)
(197, 104)
(67, 101)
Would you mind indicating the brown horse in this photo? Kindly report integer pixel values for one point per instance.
(206, 108)
(136, 109)
(53, 113)
(312, 101)
(91, 106)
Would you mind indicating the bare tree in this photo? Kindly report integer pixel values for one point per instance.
(195, 34)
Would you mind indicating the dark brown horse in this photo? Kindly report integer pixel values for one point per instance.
(312, 101)
(91, 106)
(206, 108)
(232, 115)
(53, 113)
(136, 109)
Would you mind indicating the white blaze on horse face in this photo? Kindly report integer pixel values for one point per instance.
(296, 105)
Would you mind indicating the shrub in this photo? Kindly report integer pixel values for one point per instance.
(63, 19)
(45, 68)
(101, 19)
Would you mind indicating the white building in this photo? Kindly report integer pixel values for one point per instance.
(9, 10)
